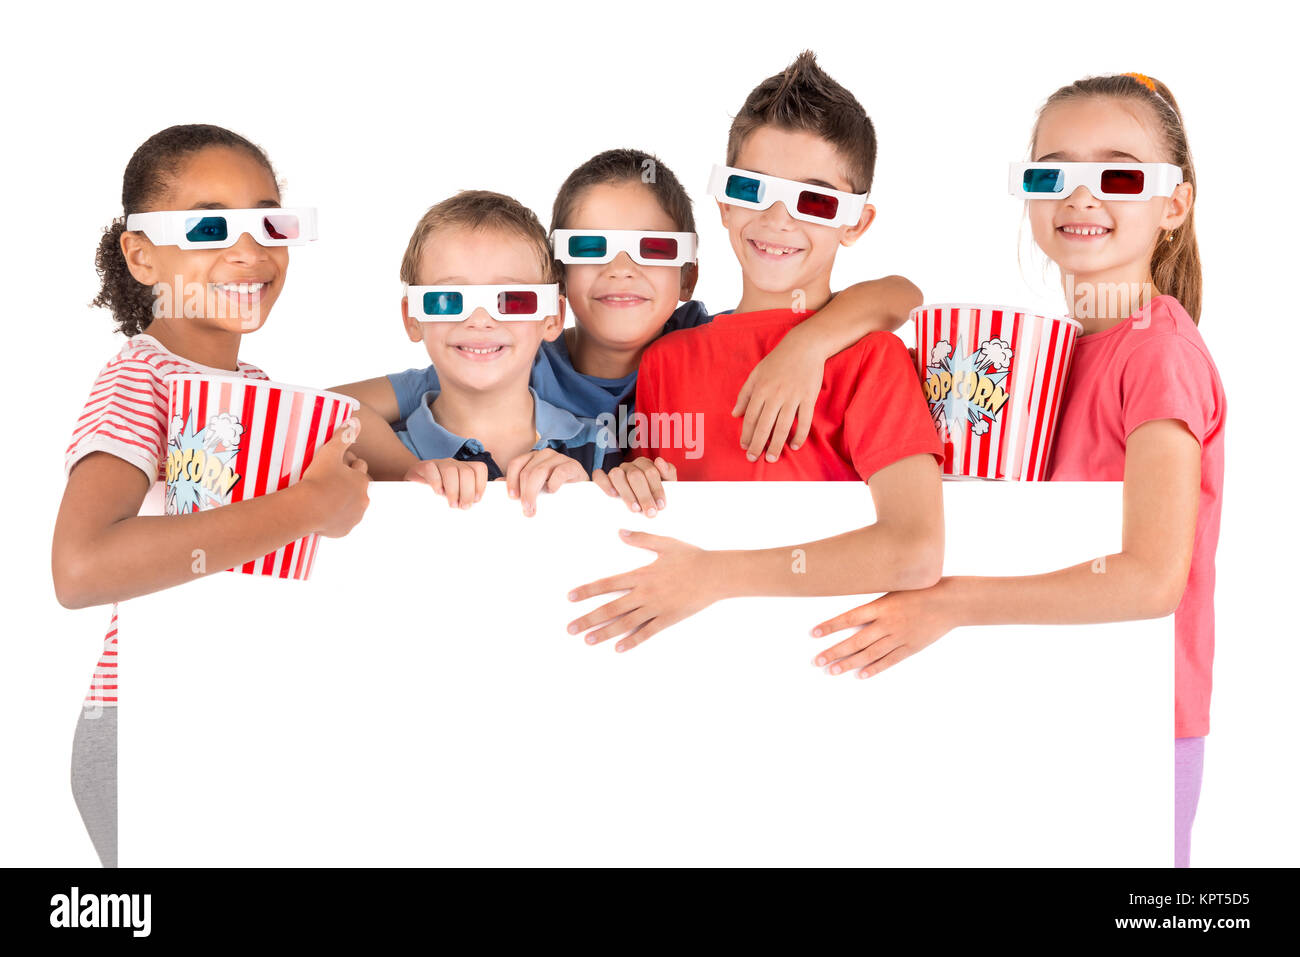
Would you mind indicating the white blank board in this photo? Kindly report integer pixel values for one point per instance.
(419, 702)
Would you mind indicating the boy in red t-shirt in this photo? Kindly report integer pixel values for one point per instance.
(804, 149)
(800, 159)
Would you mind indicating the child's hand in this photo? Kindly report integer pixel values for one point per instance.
(540, 470)
(896, 626)
(783, 387)
(681, 581)
(461, 482)
(336, 482)
(639, 483)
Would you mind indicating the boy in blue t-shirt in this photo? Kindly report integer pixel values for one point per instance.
(482, 298)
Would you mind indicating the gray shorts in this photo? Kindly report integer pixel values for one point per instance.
(94, 779)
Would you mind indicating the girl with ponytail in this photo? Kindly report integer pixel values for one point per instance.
(1143, 404)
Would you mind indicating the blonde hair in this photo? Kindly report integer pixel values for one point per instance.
(1176, 260)
(479, 209)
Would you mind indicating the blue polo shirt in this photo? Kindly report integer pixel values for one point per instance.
(554, 378)
(585, 441)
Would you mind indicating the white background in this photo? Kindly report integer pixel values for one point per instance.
(373, 113)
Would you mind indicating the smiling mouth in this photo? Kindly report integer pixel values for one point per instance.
(480, 351)
(621, 300)
(239, 288)
(1083, 232)
(774, 250)
(241, 295)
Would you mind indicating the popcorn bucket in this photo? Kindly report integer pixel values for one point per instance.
(993, 377)
(231, 439)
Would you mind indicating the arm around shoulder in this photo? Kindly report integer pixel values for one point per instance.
(877, 305)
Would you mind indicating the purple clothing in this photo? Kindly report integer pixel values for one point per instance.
(1189, 762)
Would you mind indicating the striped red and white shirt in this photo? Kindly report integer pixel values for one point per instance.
(126, 416)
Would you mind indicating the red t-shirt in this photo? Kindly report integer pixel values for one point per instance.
(1139, 370)
(870, 412)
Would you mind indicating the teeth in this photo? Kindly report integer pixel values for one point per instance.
(241, 288)
(775, 250)
(1085, 230)
(480, 352)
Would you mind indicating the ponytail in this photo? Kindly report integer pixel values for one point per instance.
(1176, 260)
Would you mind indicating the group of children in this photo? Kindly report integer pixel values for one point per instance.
(795, 382)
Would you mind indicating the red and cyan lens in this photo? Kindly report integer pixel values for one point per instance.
(517, 303)
(281, 227)
(1124, 182)
(658, 247)
(817, 204)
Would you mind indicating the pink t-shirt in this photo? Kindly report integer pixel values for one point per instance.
(1145, 368)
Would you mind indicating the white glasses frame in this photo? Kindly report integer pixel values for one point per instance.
(624, 241)
(485, 297)
(169, 227)
(1158, 179)
(776, 190)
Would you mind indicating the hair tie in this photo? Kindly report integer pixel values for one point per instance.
(1146, 81)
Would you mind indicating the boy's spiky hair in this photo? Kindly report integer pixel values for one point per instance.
(479, 209)
(804, 97)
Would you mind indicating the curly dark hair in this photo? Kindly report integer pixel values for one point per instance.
(149, 172)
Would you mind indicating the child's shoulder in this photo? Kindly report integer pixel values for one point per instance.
(144, 349)
(877, 360)
(1162, 344)
(144, 353)
(687, 316)
(674, 342)
(1166, 326)
(1165, 314)
(883, 340)
(880, 346)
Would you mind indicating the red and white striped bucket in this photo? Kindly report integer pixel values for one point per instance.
(993, 377)
(231, 439)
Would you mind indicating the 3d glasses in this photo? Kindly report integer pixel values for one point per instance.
(503, 303)
(812, 204)
(647, 248)
(1122, 181)
(221, 228)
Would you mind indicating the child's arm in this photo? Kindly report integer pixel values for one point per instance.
(104, 551)
(1145, 579)
(377, 393)
(903, 549)
(388, 459)
(782, 390)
